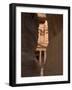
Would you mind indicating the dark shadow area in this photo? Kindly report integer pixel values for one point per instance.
(29, 36)
(54, 62)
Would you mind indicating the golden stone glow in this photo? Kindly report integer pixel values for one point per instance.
(43, 34)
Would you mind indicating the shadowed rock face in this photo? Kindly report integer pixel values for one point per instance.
(55, 25)
(54, 64)
(29, 31)
(29, 36)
